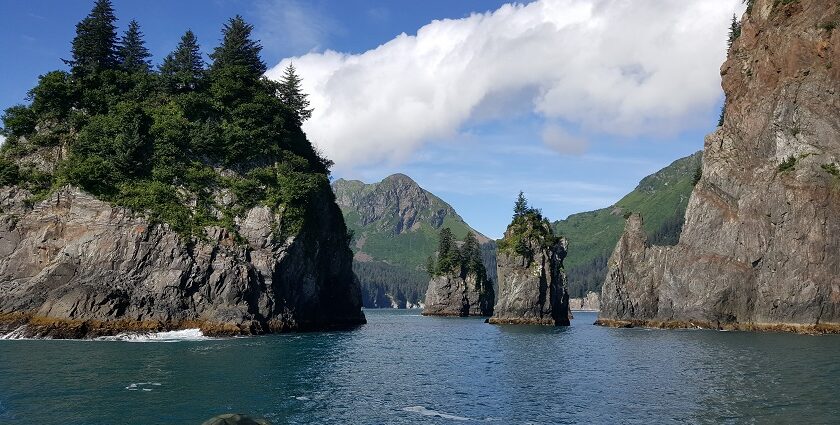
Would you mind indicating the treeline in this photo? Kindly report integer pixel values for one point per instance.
(154, 138)
(384, 285)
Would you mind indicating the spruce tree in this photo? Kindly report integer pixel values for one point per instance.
(132, 52)
(94, 47)
(291, 94)
(183, 69)
(521, 206)
(734, 31)
(447, 252)
(238, 50)
(471, 255)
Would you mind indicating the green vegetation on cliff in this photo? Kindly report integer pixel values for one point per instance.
(528, 228)
(460, 260)
(661, 198)
(188, 145)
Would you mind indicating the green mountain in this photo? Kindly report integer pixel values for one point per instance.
(661, 198)
(396, 224)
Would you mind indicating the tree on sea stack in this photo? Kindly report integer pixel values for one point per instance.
(292, 95)
(95, 45)
(183, 69)
(521, 206)
(238, 51)
(532, 281)
(132, 53)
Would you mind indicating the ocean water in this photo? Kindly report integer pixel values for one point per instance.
(404, 368)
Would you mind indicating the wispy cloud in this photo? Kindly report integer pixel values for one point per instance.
(291, 27)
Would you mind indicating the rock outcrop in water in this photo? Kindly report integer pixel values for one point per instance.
(760, 248)
(532, 282)
(459, 285)
(457, 295)
(75, 266)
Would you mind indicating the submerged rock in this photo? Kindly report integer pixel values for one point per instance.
(235, 419)
(760, 246)
(73, 266)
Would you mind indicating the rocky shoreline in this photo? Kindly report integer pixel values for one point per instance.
(816, 329)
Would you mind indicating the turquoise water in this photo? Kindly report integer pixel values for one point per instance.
(404, 368)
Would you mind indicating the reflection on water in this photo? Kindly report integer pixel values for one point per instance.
(402, 368)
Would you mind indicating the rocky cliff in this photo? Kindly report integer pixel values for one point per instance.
(459, 295)
(591, 302)
(660, 197)
(532, 282)
(75, 266)
(759, 248)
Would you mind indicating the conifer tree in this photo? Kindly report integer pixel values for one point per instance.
(471, 254)
(447, 251)
(238, 50)
(183, 69)
(94, 47)
(734, 31)
(132, 52)
(521, 206)
(291, 94)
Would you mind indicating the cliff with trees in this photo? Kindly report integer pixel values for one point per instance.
(187, 195)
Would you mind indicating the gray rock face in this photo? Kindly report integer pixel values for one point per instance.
(453, 295)
(74, 266)
(535, 291)
(760, 248)
(591, 302)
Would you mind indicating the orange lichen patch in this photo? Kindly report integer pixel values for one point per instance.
(806, 329)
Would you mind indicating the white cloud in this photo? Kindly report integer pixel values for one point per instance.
(2, 140)
(605, 66)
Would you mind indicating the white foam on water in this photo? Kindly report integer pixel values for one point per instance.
(142, 386)
(302, 398)
(428, 412)
(168, 336)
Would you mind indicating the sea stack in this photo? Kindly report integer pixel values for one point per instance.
(459, 285)
(532, 283)
(133, 200)
(760, 246)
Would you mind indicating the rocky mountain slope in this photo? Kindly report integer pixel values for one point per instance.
(660, 197)
(395, 224)
(759, 248)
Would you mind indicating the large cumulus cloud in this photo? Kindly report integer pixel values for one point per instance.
(614, 67)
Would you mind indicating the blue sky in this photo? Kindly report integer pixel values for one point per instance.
(503, 102)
